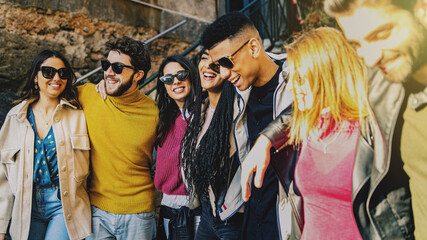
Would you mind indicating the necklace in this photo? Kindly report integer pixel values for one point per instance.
(324, 143)
(47, 119)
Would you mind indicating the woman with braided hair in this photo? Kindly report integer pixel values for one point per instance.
(209, 162)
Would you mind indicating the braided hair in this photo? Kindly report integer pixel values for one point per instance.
(208, 163)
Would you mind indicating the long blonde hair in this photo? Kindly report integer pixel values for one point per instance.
(336, 76)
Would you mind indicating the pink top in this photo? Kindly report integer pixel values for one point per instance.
(324, 177)
(168, 178)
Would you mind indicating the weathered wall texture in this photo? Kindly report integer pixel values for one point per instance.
(26, 30)
(158, 14)
(204, 10)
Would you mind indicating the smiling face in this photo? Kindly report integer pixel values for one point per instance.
(53, 87)
(385, 37)
(119, 84)
(178, 90)
(242, 74)
(210, 80)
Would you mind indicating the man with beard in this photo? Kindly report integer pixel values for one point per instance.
(122, 134)
(393, 43)
(389, 37)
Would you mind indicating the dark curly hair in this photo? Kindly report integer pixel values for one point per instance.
(138, 53)
(226, 27)
(70, 92)
(209, 163)
(168, 110)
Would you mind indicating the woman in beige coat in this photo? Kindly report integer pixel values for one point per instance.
(45, 157)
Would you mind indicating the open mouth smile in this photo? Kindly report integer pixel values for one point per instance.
(235, 80)
(178, 90)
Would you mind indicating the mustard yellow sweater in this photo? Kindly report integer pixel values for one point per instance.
(122, 133)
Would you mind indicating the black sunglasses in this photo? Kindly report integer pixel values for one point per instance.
(49, 72)
(226, 61)
(169, 78)
(117, 66)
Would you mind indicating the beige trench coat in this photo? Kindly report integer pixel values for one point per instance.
(16, 170)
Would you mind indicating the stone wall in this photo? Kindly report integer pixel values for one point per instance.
(204, 10)
(26, 30)
(158, 14)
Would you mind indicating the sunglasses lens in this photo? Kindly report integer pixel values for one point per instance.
(105, 65)
(182, 75)
(167, 79)
(214, 67)
(48, 72)
(117, 68)
(226, 62)
(63, 73)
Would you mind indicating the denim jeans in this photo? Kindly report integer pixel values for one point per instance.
(47, 216)
(212, 227)
(106, 225)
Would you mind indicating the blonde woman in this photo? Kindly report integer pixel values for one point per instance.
(331, 102)
(342, 172)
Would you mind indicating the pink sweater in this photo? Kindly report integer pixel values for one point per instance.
(168, 177)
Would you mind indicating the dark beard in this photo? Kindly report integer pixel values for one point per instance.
(418, 55)
(421, 61)
(421, 57)
(122, 89)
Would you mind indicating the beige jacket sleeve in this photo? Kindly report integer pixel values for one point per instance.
(6, 158)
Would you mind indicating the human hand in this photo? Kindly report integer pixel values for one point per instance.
(256, 161)
(100, 88)
(2, 236)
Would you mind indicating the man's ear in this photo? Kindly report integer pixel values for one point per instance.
(255, 47)
(138, 75)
